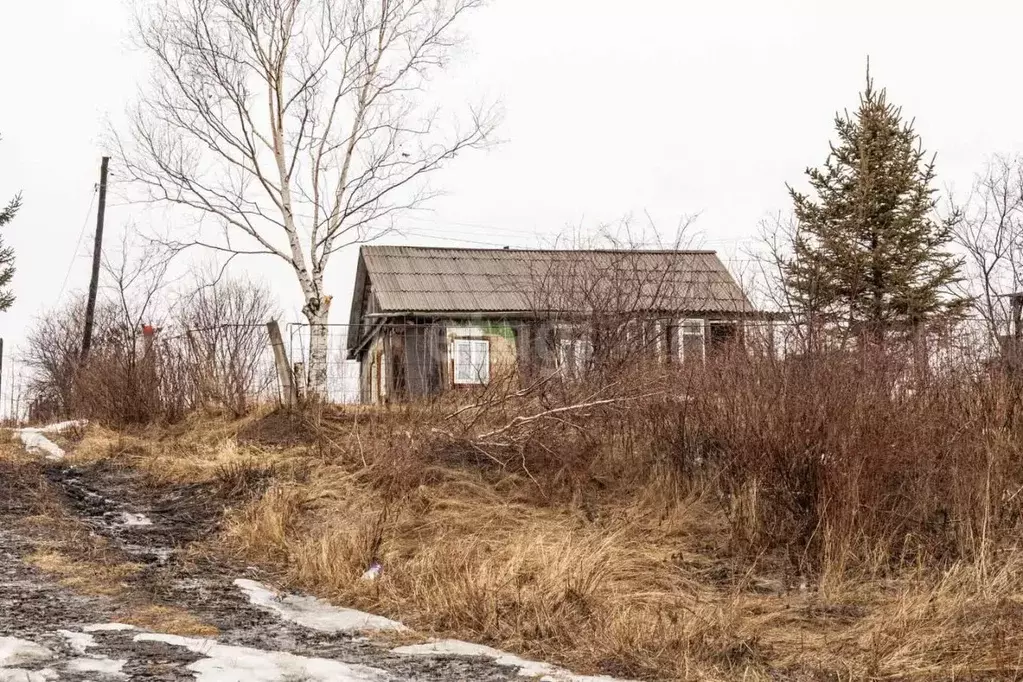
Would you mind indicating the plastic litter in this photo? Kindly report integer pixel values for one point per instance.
(373, 572)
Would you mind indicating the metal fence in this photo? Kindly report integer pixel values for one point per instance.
(397, 360)
(394, 360)
(13, 392)
(342, 373)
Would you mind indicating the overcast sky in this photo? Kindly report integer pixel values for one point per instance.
(612, 108)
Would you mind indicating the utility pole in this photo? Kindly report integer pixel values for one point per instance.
(97, 254)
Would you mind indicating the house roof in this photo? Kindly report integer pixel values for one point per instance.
(410, 280)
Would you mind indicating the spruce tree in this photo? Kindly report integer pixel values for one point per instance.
(869, 253)
(7, 214)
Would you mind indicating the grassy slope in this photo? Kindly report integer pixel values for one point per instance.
(604, 573)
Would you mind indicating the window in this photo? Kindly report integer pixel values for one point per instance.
(574, 356)
(724, 333)
(691, 341)
(472, 361)
(574, 349)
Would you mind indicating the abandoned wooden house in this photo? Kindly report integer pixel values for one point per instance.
(428, 319)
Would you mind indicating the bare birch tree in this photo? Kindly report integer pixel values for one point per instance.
(296, 127)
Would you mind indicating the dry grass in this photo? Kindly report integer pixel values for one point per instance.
(86, 577)
(602, 545)
(166, 619)
(199, 451)
(463, 559)
(11, 451)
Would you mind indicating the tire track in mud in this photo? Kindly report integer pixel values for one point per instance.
(48, 632)
(154, 527)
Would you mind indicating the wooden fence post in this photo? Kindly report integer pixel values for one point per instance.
(284, 374)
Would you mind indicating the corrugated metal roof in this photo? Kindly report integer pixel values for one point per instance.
(409, 279)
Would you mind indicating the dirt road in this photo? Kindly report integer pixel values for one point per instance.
(235, 627)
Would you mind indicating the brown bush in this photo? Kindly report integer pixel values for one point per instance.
(132, 376)
(226, 340)
(751, 517)
(836, 462)
(843, 463)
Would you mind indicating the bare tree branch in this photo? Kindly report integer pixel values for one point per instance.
(299, 126)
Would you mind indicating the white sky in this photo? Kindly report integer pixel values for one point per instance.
(611, 108)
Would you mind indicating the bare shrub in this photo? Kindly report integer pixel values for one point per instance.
(842, 464)
(658, 522)
(122, 381)
(836, 464)
(52, 353)
(224, 322)
(130, 382)
(137, 370)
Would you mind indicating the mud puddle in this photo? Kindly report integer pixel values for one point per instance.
(51, 633)
(156, 527)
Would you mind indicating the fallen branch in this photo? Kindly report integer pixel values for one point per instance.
(522, 392)
(519, 421)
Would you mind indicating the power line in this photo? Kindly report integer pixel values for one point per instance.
(513, 231)
(480, 226)
(433, 235)
(78, 245)
(476, 242)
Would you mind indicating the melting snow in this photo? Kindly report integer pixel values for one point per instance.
(130, 519)
(86, 663)
(314, 613)
(78, 641)
(19, 675)
(97, 664)
(14, 651)
(541, 671)
(108, 627)
(225, 663)
(62, 426)
(34, 440)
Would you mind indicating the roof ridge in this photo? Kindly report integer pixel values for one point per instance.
(511, 249)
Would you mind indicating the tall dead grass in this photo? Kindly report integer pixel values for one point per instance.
(752, 519)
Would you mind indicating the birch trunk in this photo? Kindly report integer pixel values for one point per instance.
(317, 312)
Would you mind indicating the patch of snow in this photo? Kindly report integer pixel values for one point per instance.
(63, 426)
(108, 627)
(162, 554)
(130, 519)
(20, 675)
(87, 663)
(97, 664)
(78, 641)
(224, 663)
(16, 652)
(35, 441)
(541, 671)
(314, 613)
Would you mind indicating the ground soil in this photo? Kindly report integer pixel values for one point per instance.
(35, 605)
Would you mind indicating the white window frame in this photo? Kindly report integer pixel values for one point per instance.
(686, 328)
(479, 362)
(574, 356)
(574, 350)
